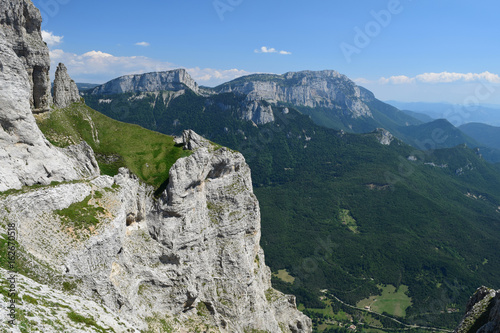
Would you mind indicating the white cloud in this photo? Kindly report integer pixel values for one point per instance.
(362, 81)
(51, 39)
(207, 76)
(145, 44)
(446, 77)
(398, 79)
(265, 49)
(443, 77)
(99, 67)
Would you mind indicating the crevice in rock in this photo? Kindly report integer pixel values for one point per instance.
(170, 259)
(219, 170)
(130, 219)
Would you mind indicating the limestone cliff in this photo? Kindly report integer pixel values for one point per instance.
(26, 157)
(190, 259)
(482, 313)
(174, 80)
(328, 89)
(65, 89)
(20, 23)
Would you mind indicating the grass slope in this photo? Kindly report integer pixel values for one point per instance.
(147, 154)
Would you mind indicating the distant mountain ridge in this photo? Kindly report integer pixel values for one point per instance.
(436, 134)
(326, 88)
(331, 99)
(173, 80)
(455, 113)
(485, 134)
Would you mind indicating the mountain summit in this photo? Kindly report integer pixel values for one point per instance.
(173, 80)
(326, 88)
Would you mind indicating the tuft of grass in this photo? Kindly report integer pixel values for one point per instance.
(147, 154)
(78, 318)
(81, 215)
(29, 299)
(69, 286)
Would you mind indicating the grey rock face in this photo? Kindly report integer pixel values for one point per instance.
(327, 89)
(384, 136)
(174, 80)
(257, 112)
(20, 23)
(56, 320)
(482, 312)
(65, 89)
(191, 258)
(26, 157)
(192, 141)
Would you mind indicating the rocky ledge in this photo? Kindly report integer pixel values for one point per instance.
(482, 312)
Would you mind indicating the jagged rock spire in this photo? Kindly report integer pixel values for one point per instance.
(65, 89)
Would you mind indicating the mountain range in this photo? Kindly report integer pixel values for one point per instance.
(354, 195)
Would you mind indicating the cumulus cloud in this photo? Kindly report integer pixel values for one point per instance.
(398, 79)
(443, 77)
(51, 39)
(265, 49)
(206, 76)
(446, 77)
(99, 67)
(362, 81)
(145, 44)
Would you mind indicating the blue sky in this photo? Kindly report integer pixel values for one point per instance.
(408, 50)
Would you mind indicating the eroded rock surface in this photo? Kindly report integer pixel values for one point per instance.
(26, 157)
(65, 89)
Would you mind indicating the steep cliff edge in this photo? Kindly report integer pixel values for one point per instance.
(482, 313)
(190, 259)
(20, 23)
(26, 157)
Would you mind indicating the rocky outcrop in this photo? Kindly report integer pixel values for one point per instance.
(174, 80)
(482, 312)
(65, 89)
(384, 136)
(190, 259)
(257, 111)
(26, 157)
(20, 23)
(328, 89)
